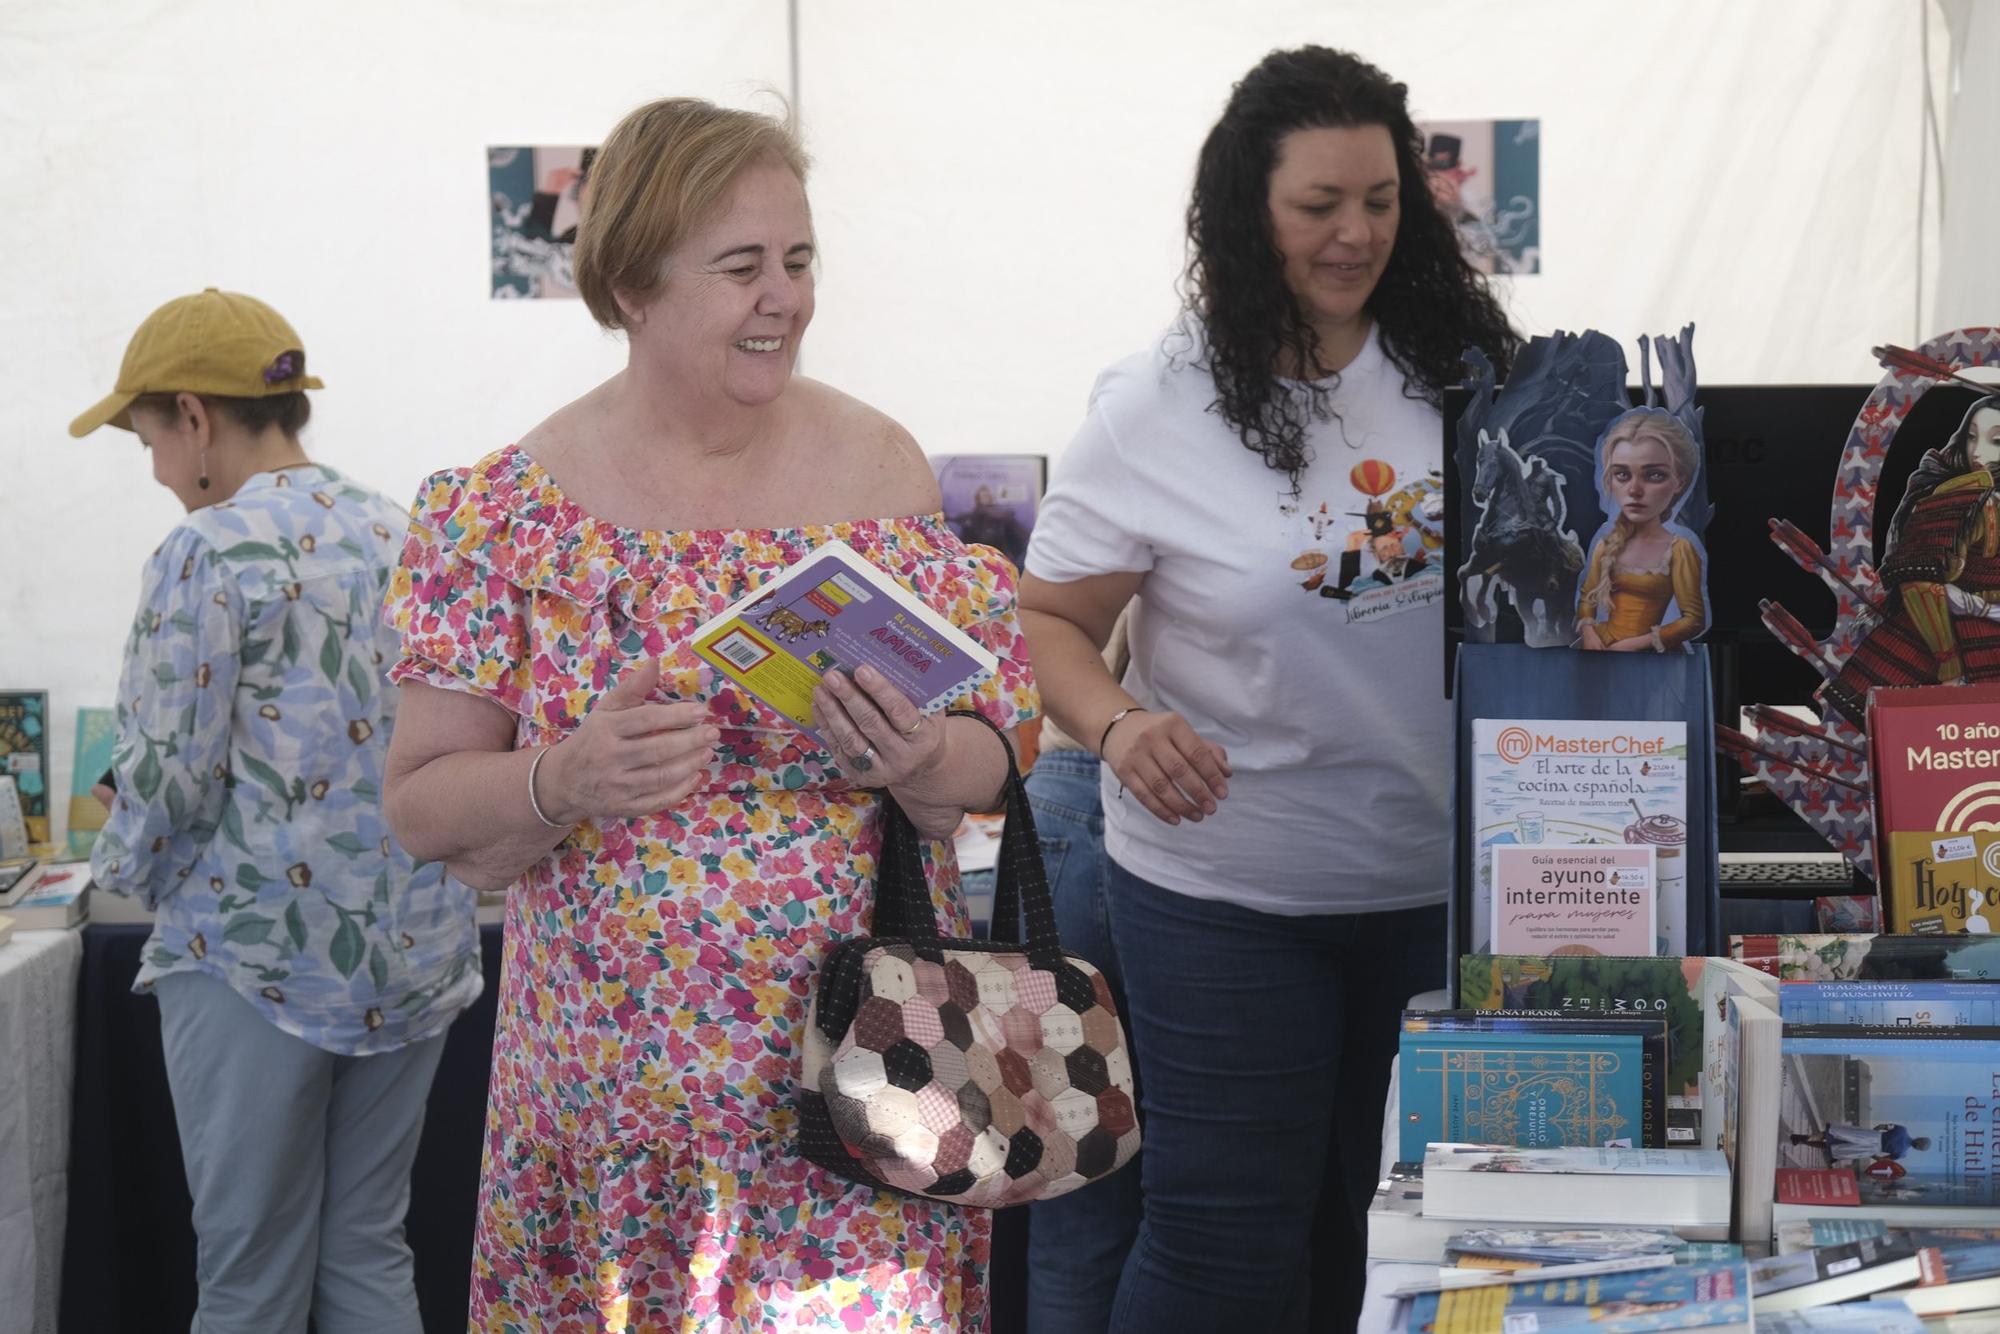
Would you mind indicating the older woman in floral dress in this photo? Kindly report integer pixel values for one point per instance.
(680, 856)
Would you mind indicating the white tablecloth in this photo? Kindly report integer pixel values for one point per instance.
(38, 972)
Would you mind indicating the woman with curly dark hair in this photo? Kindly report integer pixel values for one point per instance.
(1277, 758)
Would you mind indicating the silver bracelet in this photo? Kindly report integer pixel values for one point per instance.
(533, 768)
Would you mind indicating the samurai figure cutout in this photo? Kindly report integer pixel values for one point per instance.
(1940, 573)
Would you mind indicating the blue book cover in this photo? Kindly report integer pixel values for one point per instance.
(1914, 1118)
(1676, 1297)
(1652, 1029)
(1522, 1090)
(1902, 1004)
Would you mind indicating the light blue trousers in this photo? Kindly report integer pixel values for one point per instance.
(299, 1164)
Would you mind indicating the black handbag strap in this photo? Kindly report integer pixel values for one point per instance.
(903, 896)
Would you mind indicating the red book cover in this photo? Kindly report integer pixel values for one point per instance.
(1934, 752)
(1817, 1185)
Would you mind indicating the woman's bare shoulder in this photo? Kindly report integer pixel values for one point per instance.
(874, 454)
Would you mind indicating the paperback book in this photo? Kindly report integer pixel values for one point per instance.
(1651, 1030)
(1563, 781)
(1534, 1089)
(1687, 1190)
(24, 755)
(1533, 1248)
(1816, 958)
(1916, 1004)
(1750, 1109)
(833, 610)
(1721, 980)
(1882, 1116)
(96, 739)
(1673, 1297)
(1838, 1273)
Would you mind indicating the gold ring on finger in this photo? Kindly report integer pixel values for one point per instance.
(912, 729)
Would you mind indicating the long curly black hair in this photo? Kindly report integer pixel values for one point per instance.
(1430, 304)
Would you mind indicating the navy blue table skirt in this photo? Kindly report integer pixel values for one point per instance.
(129, 1260)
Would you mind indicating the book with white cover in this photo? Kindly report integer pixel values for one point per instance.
(1831, 1274)
(1754, 1059)
(1721, 979)
(1685, 1189)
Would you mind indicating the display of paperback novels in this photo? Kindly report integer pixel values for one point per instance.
(1933, 754)
(1668, 988)
(835, 609)
(1536, 1079)
(1561, 782)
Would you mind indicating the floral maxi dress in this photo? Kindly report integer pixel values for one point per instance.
(641, 1171)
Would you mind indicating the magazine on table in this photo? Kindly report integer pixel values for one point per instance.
(836, 610)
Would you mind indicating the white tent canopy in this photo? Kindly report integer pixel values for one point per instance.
(999, 193)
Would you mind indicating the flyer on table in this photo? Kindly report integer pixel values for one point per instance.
(836, 610)
(1556, 780)
(1592, 898)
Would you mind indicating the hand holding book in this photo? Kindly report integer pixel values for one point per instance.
(874, 730)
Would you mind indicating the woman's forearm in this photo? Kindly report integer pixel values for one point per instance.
(470, 810)
(1078, 690)
(970, 776)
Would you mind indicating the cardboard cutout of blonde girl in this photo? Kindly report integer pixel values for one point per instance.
(1643, 589)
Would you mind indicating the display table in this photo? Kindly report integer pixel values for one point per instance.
(38, 972)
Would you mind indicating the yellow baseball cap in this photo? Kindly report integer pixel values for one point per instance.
(221, 343)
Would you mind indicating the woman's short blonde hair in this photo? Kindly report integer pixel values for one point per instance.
(662, 171)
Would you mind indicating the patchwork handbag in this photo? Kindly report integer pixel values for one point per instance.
(980, 1072)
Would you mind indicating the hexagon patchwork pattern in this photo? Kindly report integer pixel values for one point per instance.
(970, 1074)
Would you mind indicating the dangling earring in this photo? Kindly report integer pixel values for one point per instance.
(203, 482)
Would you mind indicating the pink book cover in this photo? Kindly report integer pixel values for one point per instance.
(1588, 898)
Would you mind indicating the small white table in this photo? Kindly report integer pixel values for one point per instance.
(38, 976)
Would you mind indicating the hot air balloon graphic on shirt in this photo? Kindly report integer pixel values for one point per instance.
(1381, 552)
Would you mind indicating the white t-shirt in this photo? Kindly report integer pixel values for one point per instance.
(1331, 707)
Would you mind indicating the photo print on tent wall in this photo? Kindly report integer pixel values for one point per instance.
(536, 201)
(1486, 176)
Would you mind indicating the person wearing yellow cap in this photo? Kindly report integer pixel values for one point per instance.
(306, 968)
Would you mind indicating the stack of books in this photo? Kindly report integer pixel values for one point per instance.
(37, 895)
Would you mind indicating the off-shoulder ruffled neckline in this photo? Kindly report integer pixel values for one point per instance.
(530, 478)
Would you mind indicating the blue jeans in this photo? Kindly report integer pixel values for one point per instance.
(1078, 1242)
(1263, 1044)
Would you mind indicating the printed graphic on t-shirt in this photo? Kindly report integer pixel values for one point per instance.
(1378, 550)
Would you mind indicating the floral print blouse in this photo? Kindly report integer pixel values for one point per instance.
(254, 714)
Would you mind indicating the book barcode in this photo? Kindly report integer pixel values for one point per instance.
(741, 650)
